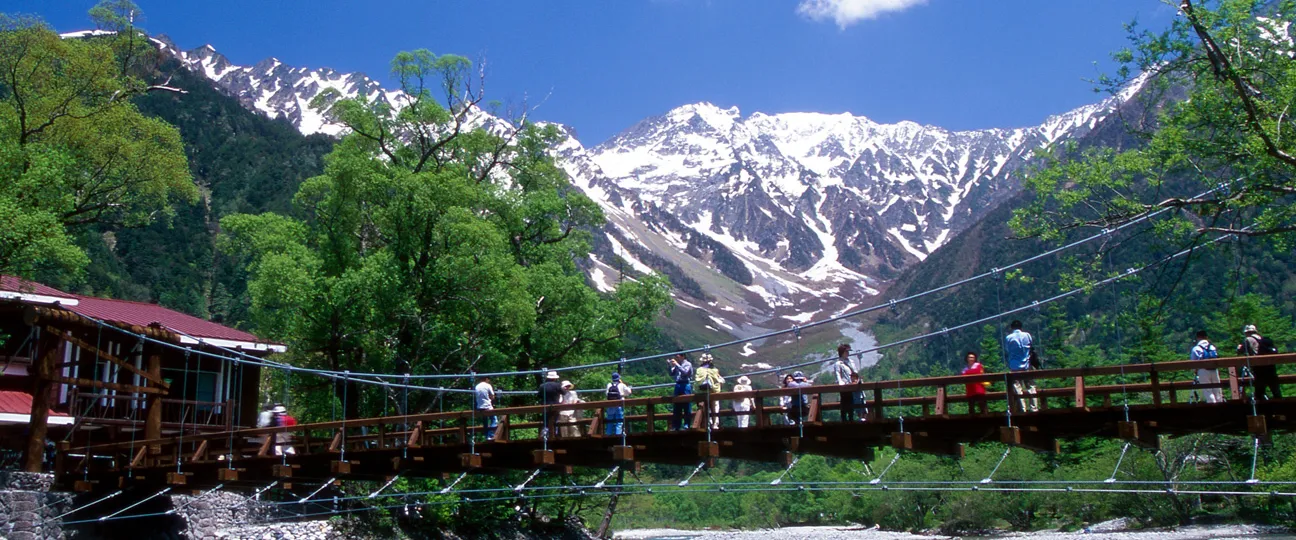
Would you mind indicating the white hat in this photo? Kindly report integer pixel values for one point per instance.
(566, 384)
(744, 380)
(279, 409)
(1248, 329)
(552, 375)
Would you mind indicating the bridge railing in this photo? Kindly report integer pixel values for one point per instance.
(1135, 385)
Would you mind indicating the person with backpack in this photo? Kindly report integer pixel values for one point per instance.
(800, 407)
(1265, 377)
(843, 370)
(709, 380)
(1019, 351)
(484, 403)
(1205, 350)
(614, 417)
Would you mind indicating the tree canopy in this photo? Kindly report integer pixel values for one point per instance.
(74, 150)
(1212, 108)
(438, 239)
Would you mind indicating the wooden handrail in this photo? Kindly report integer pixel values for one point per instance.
(926, 382)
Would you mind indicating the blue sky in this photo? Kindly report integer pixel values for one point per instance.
(601, 66)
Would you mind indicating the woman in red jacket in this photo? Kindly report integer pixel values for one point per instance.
(976, 391)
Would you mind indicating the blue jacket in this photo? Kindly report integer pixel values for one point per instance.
(1017, 347)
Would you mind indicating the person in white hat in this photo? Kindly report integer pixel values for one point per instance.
(744, 405)
(568, 428)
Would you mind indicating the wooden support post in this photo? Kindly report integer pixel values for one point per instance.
(470, 461)
(201, 452)
(264, 449)
(138, 460)
(38, 427)
(176, 479)
(902, 440)
(153, 407)
(877, 405)
(1235, 389)
(1258, 426)
(1029, 437)
(758, 409)
(812, 416)
(596, 424)
(339, 467)
(699, 418)
(335, 445)
(623, 453)
(281, 471)
(1080, 393)
(1156, 388)
(542, 457)
(227, 475)
(940, 401)
(652, 418)
(920, 442)
(708, 449)
(1142, 436)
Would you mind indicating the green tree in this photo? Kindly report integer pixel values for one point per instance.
(74, 151)
(1213, 109)
(437, 238)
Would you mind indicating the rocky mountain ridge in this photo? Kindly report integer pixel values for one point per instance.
(762, 221)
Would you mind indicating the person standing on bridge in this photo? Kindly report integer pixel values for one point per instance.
(800, 402)
(568, 419)
(682, 372)
(1018, 347)
(1266, 377)
(843, 370)
(614, 417)
(786, 401)
(976, 391)
(1205, 350)
(550, 394)
(709, 380)
(744, 405)
(484, 402)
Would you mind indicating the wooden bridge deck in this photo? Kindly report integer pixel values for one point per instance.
(919, 415)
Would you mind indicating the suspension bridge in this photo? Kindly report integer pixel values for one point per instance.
(914, 415)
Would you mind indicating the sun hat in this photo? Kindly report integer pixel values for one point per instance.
(279, 409)
(744, 380)
(552, 375)
(1250, 328)
(566, 384)
(798, 375)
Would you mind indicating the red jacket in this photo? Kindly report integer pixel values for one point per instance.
(975, 389)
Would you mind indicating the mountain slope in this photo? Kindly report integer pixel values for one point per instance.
(762, 221)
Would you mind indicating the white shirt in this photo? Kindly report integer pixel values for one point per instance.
(843, 371)
(621, 387)
(485, 396)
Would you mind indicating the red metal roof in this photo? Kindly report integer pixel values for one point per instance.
(135, 313)
(144, 314)
(20, 285)
(14, 402)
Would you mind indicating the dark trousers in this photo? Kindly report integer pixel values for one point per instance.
(683, 411)
(1266, 378)
(848, 407)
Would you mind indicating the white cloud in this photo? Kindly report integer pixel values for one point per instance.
(848, 12)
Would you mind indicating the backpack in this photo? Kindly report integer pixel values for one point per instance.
(614, 391)
(1209, 352)
(1266, 346)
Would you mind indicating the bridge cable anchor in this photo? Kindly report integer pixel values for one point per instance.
(696, 470)
(141, 501)
(518, 488)
(385, 486)
(84, 506)
(786, 471)
(990, 477)
(326, 484)
(1112, 479)
(447, 489)
(603, 482)
(875, 481)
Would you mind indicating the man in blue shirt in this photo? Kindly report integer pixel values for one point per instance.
(1017, 350)
(682, 371)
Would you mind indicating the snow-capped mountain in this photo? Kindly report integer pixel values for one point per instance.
(768, 219)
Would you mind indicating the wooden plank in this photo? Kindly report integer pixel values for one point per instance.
(200, 453)
(1156, 388)
(940, 401)
(120, 387)
(415, 439)
(138, 460)
(502, 429)
(1235, 389)
(1080, 393)
(652, 420)
(155, 379)
(264, 450)
(335, 445)
(812, 416)
(38, 420)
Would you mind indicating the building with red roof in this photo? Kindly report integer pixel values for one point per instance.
(96, 366)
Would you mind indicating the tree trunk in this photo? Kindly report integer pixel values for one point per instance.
(605, 529)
